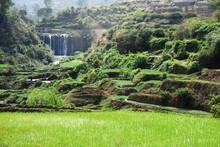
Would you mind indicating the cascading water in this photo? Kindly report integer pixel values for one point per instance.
(65, 36)
(64, 44)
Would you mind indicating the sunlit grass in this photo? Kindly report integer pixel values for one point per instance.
(117, 97)
(149, 71)
(122, 83)
(120, 128)
(3, 65)
(154, 81)
(72, 63)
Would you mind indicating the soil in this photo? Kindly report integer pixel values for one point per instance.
(211, 75)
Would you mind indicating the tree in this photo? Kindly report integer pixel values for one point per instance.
(44, 12)
(214, 3)
(81, 3)
(4, 21)
(216, 15)
(48, 3)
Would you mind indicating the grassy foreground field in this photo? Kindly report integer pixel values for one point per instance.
(119, 128)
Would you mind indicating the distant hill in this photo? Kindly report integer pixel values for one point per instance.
(58, 4)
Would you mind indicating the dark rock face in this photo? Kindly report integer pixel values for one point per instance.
(64, 44)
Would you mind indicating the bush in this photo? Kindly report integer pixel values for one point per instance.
(110, 45)
(112, 58)
(94, 75)
(173, 67)
(215, 105)
(168, 45)
(165, 96)
(209, 56)
(133, 61)
(194, 67)
(192, 45)
(158, 33)
(158, 43)
(184, 96)
(4, 94)
(181, 55)
(215, 110)
(215, 100)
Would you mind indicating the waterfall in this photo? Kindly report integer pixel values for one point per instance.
(64, 44)
(50, 40)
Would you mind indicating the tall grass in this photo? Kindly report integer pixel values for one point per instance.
(120, 128)
(46, 97)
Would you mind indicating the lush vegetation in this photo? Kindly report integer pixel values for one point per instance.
(143, 56)
(122, 128)
(19, 44)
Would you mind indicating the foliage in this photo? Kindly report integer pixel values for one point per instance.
(216, 15)
(159, 32)
(21, 46)
(94, 75)
(165, 96)
(215, 105)
(194, 29)
(184, 96)
(112, 58)
(44, 12)
(45, 97)
(158, 43)
(81, 3)
(209, 55)
(173, 66)
(214, 3)
(48, 3)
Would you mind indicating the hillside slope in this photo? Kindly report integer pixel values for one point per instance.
(19, 44)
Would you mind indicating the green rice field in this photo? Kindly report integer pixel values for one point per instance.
(108, 129)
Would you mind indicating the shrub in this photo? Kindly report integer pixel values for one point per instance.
(159, 33)
(158, 43)
(192, 45)
(215, 110)
(181, 55)
(178, 45)
(215, 105)
(4, 94)
(209, 56)
(191, 14)
(94, 75)
(215, 100)
(216, 15)
(173, 67)
(110, 45)
(165, 96)
(168, 45)
(184, 96)
(194, 67)
(166, 56)
(112, 58)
